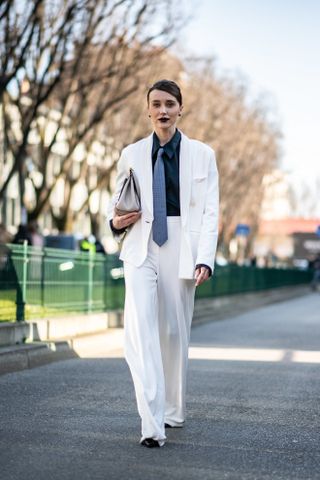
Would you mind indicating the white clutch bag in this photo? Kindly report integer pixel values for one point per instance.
(129, 196)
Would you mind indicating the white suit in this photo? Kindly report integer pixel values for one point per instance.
(160, 280)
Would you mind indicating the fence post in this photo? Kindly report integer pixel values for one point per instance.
(105, 282)
(22, 292)
(42, 286)
(90, 279)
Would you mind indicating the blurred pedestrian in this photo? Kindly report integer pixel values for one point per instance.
(99, 247)
(9, 279)
(316, 274)
(37, 239)
(87, 244)
(22, 235)
(168, 250)
(5, 237)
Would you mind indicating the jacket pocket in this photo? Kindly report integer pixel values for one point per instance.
(198, 191)
(199, 178)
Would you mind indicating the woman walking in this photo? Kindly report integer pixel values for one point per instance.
(168, 250)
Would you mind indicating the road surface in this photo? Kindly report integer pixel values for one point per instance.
(253, 408)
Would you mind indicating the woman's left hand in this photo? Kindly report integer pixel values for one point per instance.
(201, 275)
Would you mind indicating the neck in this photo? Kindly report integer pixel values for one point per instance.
(165, 135)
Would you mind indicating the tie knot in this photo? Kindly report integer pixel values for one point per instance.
(159, 158)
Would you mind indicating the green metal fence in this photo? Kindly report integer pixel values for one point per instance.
(36, 283)
(233, 279)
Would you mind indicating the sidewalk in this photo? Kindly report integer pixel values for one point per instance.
(109, 341)
(252, 408)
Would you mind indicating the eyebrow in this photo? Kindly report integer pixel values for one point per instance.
(167, 101)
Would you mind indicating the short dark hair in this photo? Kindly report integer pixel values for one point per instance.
(168, 86)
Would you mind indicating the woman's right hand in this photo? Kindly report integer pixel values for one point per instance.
(123, 221)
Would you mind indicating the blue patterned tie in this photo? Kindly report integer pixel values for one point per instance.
(159, 226)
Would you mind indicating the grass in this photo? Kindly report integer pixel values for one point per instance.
(59, 301)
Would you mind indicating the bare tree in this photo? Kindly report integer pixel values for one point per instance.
(83, 62)
(246, 143)
(18, 25)
(73, 96)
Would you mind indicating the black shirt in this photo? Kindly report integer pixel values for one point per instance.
(171, 168)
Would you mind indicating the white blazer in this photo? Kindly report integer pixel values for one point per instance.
(199, 203)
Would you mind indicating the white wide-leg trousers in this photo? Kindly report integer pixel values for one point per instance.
(157, 321)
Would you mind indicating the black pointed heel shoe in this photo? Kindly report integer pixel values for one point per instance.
(150, 443)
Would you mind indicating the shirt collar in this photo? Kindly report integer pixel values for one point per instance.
(170, 147)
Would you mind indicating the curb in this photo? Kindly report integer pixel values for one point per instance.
(22, 357)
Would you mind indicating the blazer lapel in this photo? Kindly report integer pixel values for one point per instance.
(185, 178)
(146, 173)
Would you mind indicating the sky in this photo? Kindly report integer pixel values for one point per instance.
(276, 46)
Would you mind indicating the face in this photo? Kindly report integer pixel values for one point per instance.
(163, 109)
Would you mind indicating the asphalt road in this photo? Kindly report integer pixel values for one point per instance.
(253, 408)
